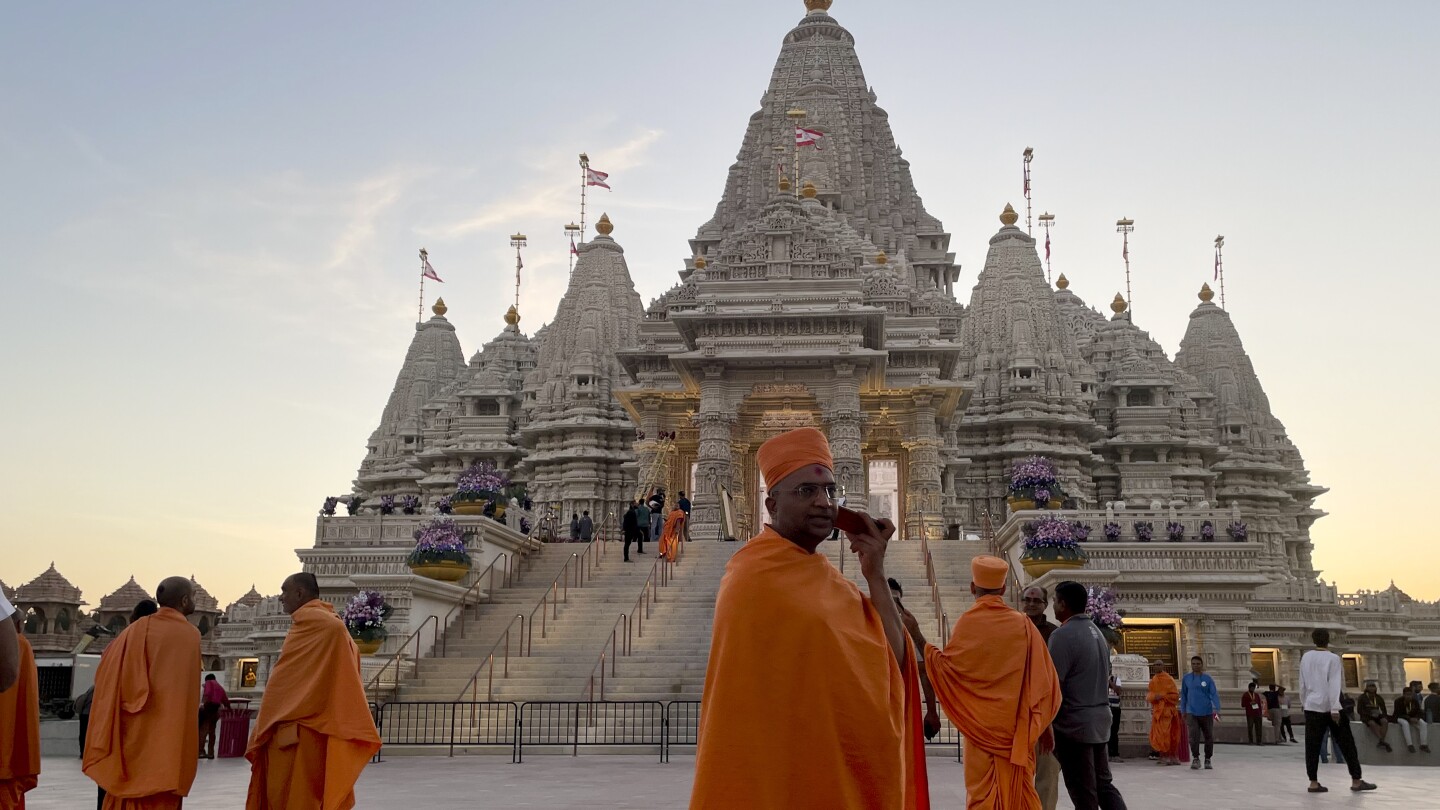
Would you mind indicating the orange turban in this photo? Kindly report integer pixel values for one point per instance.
(790, 451)
(988, 572)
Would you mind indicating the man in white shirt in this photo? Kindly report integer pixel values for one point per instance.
(1320, 681)
(9, 646)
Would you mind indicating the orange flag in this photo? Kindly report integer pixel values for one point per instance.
(997, 684)
(804, 704)
(1164, 697)
(315, 732)
(20, 733)
(144, 732)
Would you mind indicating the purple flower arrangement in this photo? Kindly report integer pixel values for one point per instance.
(1102, 608)
(525, 526)
(1207, 532)
(1048, 533)
(443, 505)
(1034, 479)
(1237, 531)
(1081, 531)
(1174, 532)
(327, 509)
(387, 504)
(1144, 531)
(1112, 531)
(480, 481)
(410, 504)
(365, 616)
(439, 541)
(353, 504)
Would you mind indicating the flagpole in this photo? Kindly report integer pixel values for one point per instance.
(584, 178)
(1220, 267)
(1124, 227)
(570, 231)
(796, 116)
(1047, 219)
(420, 308)
(517, 241)
(1029, 156)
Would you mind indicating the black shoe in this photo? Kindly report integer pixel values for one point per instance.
(1362, 786)
(1411, 747)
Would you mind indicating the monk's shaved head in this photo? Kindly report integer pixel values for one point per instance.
(176, 593)
(297, 590)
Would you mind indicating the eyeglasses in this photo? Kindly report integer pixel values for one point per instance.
(807, 492)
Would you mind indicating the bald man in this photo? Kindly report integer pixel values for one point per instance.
(812, 695)
(142, 739)
(315, 732)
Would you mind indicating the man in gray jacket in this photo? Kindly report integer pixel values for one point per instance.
(1082, 728)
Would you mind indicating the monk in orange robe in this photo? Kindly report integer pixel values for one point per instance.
(1164, 697)
(315, 732)
(997, 684)
(143, 736)
(20, 728)
(812, 696)
(673, 534)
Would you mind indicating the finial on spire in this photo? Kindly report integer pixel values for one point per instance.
(1206, 293)
(700, 262)
(1062, 282)
(784, 183)
(1118, 305)
(604, 226)
(439, 308)
(807, 190)
(812, 6)
(881, 258)
(512, 316)
(1008, 217)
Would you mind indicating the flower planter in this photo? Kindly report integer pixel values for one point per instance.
(1041, 561)
(369, 647)
(442, 570)
(468, 507)
(1017, 503)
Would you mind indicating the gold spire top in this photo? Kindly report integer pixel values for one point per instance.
(700, 262)
(1062, 282)
(439, 308)
(604, 227)
(1206, 293)
(512, 315)
(818, 5)
(1118, 305)
(1008, 216)
(784, 183)
(807, 190)
(881, 258)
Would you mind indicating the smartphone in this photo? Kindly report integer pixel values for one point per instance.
(848, 520)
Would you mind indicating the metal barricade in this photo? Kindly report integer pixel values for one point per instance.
(591, 723)
(448, 724)
(682, 724)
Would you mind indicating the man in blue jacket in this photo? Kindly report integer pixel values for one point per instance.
(1200, 703)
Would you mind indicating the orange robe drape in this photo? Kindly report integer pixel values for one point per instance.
(20, 733)
(804, 704)
(315, 732)
(1164, 697)
(998, 686)
(673, 534)
(143, 740)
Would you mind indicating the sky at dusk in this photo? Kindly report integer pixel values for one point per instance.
(211, 214)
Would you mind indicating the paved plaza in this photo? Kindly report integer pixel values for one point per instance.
(1269, 778)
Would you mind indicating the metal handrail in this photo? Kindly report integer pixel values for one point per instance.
(394, 659)
(613, 655)
(933, 581)
(634, 622)
(489, 660)
(460, 603)
(562, 583)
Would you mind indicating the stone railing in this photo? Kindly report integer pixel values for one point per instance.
(1192, 520)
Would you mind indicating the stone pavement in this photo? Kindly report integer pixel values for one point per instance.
(1268, 778)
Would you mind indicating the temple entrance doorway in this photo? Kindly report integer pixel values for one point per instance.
(883, 488)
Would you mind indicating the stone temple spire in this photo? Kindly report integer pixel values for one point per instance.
(857, 169)
(1032, 390)
(578, 437)
(1262, 471)
(433, 362)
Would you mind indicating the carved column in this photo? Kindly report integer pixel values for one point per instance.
(924, 485)
(843, 426)
(715, 468)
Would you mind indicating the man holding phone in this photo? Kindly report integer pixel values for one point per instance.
(834, 726)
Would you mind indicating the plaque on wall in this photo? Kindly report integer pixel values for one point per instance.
(1262, 663)
(1156, 643)
(1351, 667)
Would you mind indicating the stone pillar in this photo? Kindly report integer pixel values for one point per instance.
(923, 475)
(715, 421)
(842, 425)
